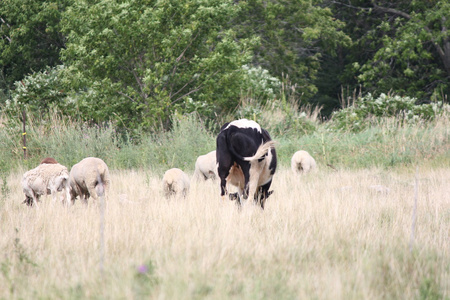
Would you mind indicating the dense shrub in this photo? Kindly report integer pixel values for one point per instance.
(281, 117)
(260, 84)
(387, 143)
(356, 117)
(38, 92)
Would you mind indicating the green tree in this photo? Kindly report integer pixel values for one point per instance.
(39, 93)
(30, 38)
(403, 46)
(295, 36)
(139, 60)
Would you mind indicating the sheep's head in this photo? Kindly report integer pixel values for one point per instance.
(28, 201)
(49, 160)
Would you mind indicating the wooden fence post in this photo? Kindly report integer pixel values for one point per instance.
(24, 134)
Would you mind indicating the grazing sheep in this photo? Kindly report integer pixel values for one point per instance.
(206, 166)
(302, 162)
(45, 179)
(49, 160)
(175, 182)
(381, 189)
(236, 178)
(89, 177)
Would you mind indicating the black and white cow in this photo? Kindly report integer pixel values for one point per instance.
(247, 150)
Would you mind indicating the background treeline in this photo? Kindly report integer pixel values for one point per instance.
(137, 62)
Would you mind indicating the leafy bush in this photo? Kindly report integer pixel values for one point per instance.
(38, 92)
(355, 117)
(281, 115)
(386, 144)
(41, 92)
(260, 83)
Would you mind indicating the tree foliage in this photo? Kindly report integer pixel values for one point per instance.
(362, 111)
(403, 46)
(38, 91)
(146, 58)
(137, 62)
(295, 35)
(30, 37)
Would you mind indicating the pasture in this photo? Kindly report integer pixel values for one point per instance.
(328, 235)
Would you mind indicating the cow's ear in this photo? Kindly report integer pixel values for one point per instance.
(266, 135)
(224, 126)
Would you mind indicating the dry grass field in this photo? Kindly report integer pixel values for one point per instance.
(329, 235)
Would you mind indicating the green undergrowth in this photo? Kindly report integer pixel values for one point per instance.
(386, 144)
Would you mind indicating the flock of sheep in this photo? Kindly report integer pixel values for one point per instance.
(90, 178)
(176, 182)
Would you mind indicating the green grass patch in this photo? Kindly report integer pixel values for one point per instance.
(387, 144)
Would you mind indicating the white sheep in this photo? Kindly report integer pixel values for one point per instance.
(175, 183)
(206, 166)
(45, 179)
(302, 162)
(236, 177)
(89, 177)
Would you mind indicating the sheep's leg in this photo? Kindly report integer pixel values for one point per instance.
(100, 189)
(94, 195)
(54, 196)
(72, 196)
(306, 168)
(35, 200)
(166, 189)
(83, 198)
(67, 196)
(92, 192)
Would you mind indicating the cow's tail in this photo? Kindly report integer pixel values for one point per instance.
(262, 150)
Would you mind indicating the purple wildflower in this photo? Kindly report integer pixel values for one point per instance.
(142, 269)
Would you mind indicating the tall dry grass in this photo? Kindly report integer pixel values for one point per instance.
(328, 235)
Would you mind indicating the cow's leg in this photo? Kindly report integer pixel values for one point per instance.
(264, 193)
(254, 174)
(223, 174)
(247, 176)
(224, 163)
